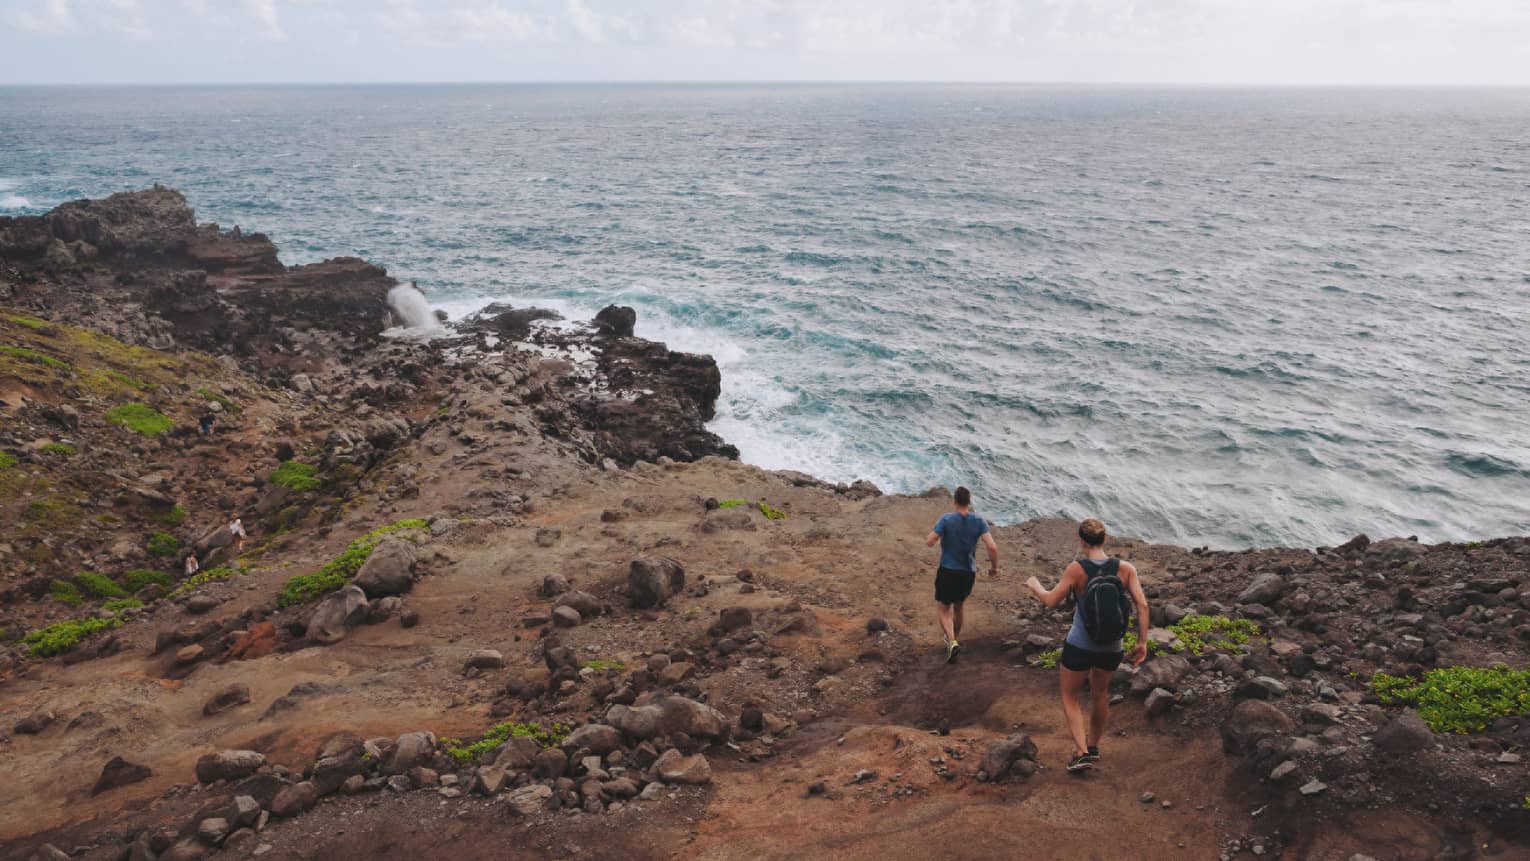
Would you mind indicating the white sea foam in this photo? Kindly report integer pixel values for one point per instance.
(417, 320)
(14, 201)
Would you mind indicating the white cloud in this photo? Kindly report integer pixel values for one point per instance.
(53, 18)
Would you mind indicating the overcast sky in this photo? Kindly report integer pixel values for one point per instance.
(1213, 41)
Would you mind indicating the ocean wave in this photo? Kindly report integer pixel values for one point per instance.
(14, 201)
(1481, 464)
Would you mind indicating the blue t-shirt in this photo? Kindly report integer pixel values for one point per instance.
(959, 535)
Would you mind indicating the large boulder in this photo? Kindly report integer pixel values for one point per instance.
(1265, 589)
(1250, 721)
(675, 767)
(667, 715)
(120, 772)
(1406, 733)
(598, 739)
(1164, 671)
(616, 321)
(339, 612)
(651, 580)
(389, 570)
(412, 749)
(587, 605)
(228, 765)
(517, 754)
(295, 799)
(1003, 758)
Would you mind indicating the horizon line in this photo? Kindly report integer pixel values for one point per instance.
(787, 81)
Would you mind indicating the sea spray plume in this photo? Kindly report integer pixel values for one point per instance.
(413, 314)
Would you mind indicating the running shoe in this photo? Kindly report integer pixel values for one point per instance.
(953, 649)
(1080, 764)
(1093, 754)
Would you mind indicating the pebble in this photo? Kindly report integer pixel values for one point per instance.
(1147, 798)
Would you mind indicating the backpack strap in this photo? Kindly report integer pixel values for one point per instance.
(1093, 569)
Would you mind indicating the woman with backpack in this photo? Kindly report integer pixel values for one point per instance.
(1107, 590)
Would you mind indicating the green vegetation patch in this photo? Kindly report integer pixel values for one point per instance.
(220, 399)
(1459, 699)
(64, 592)
(26, 320)
(7, 460)
(498, 734)
(27, 354)
(1198, 633)
(296, 476)
(60, 638)
(140, 419)
(52, 514)
(604, 665)
(199, 579)
(58, 449)
(1047, 660)
(163, 544)
(339, 571)
(732, 503)
(141, 577)
(121, 604)
(771, 513)
(173, 517)
(98, 585)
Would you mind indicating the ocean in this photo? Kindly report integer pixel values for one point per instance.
(1224, 317)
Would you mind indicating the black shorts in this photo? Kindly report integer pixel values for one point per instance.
(1082, 660)
(952, 586)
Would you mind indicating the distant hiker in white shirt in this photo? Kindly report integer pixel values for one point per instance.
(192, 565)
(236, 529)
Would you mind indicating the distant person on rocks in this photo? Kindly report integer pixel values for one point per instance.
(206, 423)
(192, 566)
(959, 534)
(1106, 590)
(236, 529)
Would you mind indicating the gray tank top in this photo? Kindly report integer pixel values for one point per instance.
(1078, 635)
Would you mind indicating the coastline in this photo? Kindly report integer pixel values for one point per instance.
(575, 460)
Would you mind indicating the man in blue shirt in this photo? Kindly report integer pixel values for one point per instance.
(959, 533)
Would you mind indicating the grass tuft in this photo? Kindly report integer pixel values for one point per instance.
(163, 544)
(60, 638)
(64, 592)
(98, 585)
(466, 754)
(618, 666)
(199, 579)
(140, 419)
(339, 571)
(296, 476)
(141, 577)
(771, 513)
(58, 449)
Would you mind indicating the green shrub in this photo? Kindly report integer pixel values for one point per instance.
(163, 544)
(59, 638)
(1047, 660)
(52, 514)
(59, 449)
(141, 577)
(65, 593)
(121, 604)
(1459, 699)
(772, 513)
(732, 503)
(139, 418)
(296, 476)
(173, 517)
(498, 734)
(221, 399)
(199, 579)
(1198, 633)
(98, 586)
(33, 356)
(338, 571)
(604, 665)
(7, 460)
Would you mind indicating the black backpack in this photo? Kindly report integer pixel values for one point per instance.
(1107, 608)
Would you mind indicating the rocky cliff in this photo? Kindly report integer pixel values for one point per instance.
(502, 588)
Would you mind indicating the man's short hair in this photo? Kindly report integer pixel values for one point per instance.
(963, 497)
